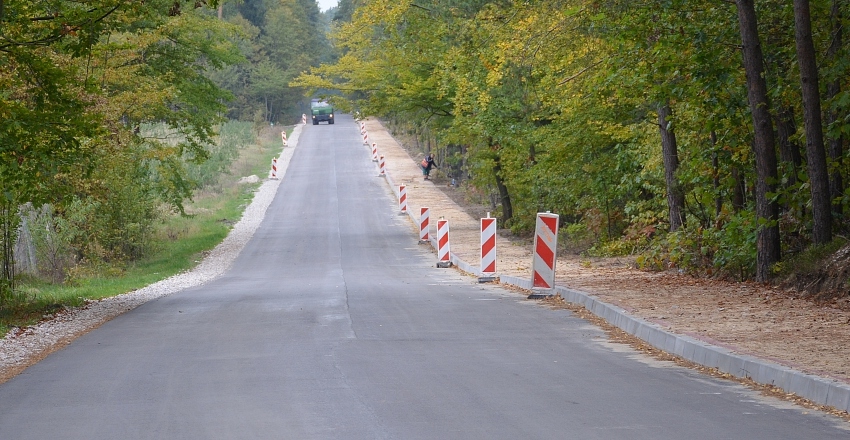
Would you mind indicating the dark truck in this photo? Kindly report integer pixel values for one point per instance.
(321, 111)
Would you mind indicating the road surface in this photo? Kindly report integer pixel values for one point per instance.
(334, 324)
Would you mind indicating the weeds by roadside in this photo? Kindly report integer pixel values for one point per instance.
(176, 243)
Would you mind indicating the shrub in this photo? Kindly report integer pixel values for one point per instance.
(730, 249)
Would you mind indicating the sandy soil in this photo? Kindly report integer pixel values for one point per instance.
(762, 321)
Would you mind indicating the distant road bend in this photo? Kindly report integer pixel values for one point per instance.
(334, 324)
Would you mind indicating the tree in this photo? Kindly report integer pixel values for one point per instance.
(76, 81)
(815, 153)
(282, 39)
(560, 105)
(767, 210)
(836, 141)
(675, 195)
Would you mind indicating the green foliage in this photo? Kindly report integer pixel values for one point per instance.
(809, 261)
(47, 239)
(729, 250)
(555, 104)
(77, 79)
(99, 255)
(575, 237)
(734, 245)
(280, 38)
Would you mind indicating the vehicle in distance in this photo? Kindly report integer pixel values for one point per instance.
(321, 111)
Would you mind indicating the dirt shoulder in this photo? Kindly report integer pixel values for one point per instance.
(748, 318)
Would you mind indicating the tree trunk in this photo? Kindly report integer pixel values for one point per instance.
(789, 151)
(767, 212)
(815, 151)
(9, 219)
(739, 191)
(836, 143)
(715, 163)
(669, 151)
(504, 196)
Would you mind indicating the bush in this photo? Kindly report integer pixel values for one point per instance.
(729, 250)
(44, 244)
(232, 136)
(576, 237)
(734, 245)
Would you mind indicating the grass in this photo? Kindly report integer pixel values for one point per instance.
(810, 261)
(180, 242)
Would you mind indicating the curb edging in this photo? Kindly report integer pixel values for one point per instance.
(815, 388)
(818, 389)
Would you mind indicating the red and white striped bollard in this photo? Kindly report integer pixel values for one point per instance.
(544, 257)
(402, 199)
(424, 226)
(443, 248)
(274, 168)
(303, 118)
(374, 152)
(283, 138)
(488, 249)
(381, 166)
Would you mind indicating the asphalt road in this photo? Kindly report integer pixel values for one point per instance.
(334, 324)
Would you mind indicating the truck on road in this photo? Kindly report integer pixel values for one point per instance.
(321, 111)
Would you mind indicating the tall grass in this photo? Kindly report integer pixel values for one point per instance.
(179, 241)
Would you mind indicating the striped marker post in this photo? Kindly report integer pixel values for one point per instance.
(402, 199)
(374, 152)
(283, 138)
(365, 138)
(303, 118)
(544, 258)
(488, 250)
(381, 166)
(443, 248)
(424, 226)
(274, 168)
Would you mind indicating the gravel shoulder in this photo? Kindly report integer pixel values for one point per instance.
(22, 348)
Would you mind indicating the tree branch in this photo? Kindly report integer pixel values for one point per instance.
(580, 72)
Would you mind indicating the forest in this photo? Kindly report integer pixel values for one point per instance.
(705, 135)
(708, 136)
(114, 114)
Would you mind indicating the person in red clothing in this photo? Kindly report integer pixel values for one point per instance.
(426, 166)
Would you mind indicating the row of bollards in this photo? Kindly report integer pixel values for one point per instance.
(544, 255)
(273, 172)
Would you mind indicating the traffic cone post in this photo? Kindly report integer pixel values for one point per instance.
(544, 255)
(488, 250)
(402, 199)
(424, 226)
(443, 248)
